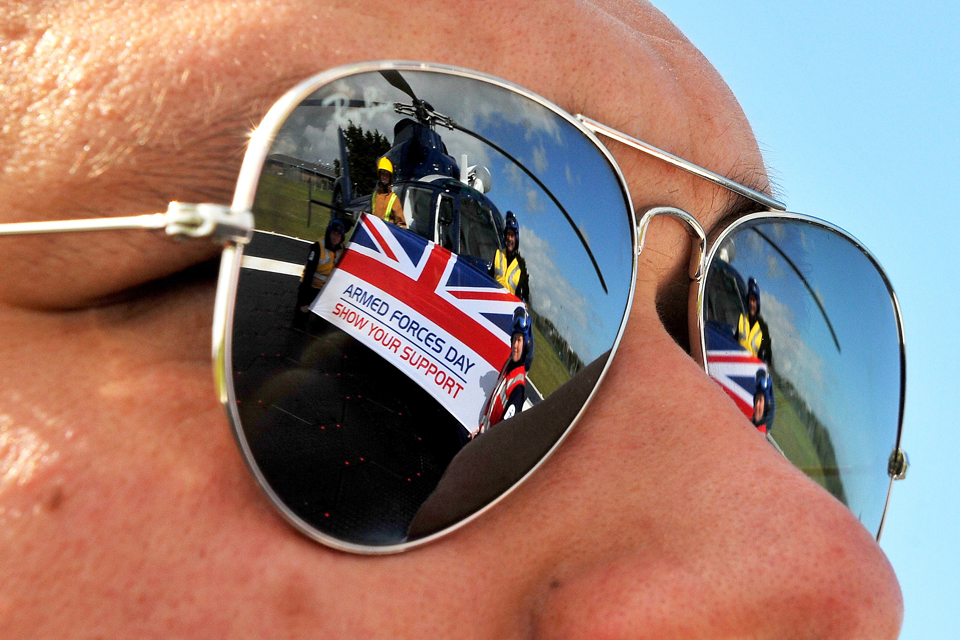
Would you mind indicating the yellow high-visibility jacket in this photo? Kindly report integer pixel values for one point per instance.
(325, 263)
(387, 207)
(507, 275)
(751, 337)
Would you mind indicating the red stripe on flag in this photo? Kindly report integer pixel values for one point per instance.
(376, 234)
(420, 295)
(745, 408)
(744, 359)
(483, 295)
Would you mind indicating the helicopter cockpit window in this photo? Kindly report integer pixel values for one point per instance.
(445, 228)
(416, 208)
(724, 299)
(478, 234)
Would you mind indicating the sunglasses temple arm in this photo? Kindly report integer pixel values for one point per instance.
(731, 185)
(218, 222)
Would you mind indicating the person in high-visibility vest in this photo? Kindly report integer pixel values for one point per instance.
(509, 268)
(752, 331)
(321, 260)
(510, 391)
(384, 203)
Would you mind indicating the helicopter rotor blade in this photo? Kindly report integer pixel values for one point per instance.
(325, 102)
(803, 279)
(530, 174)
(397, 80)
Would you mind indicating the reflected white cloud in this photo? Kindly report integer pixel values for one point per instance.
(794, 359)
(540, 159)
(533, 200)
(476, 105)
(557, 299)
(774, 267)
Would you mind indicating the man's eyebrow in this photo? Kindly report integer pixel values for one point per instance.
(739, 206)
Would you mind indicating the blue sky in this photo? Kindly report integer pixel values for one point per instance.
(855, 106)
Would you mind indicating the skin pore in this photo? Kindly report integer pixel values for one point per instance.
(125, 507)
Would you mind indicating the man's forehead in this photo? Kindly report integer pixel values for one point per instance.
(641, 51)
(161, 105)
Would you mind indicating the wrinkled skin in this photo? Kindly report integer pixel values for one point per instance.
(125, 507)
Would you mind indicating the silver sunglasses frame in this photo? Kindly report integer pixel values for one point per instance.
(234, 226)
(253, 162)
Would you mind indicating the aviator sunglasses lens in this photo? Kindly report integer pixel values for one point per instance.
(801, 329)
(439, 274)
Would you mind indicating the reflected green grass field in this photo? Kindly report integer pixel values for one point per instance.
(547, 372)
(283, 206)
(797, 432)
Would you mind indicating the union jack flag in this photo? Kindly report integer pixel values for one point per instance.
(434, 302)
(734, 367)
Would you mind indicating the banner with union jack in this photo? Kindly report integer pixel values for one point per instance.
(431, 314)
(734, 367)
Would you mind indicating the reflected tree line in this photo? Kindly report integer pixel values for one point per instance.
(571, 361)
(364, 148)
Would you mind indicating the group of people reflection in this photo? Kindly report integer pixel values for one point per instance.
(508, 268)
(754, 336)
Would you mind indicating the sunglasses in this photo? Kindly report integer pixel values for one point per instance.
(427, 272)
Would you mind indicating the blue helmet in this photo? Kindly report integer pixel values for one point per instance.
(510, 224)
(335, 225)
(753, 289)
(523, 325)
(764, 385)
(521, 322)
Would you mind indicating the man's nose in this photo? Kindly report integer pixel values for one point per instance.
(690, 525)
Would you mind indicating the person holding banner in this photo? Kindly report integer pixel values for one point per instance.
(321, 260)
(511, 390)
(384, 203)
(762, 417)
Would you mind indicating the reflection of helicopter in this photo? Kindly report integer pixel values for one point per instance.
(443, 201)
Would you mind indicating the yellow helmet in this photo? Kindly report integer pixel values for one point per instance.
(385, 165)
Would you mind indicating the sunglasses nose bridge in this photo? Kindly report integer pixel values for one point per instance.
(698, 237)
